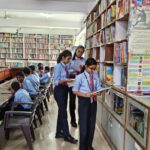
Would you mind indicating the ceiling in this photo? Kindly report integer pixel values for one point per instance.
(59, 16)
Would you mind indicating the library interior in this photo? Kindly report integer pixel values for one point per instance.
(75, 75)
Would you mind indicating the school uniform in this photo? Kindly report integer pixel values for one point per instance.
(74, 69)
(87, 107)
(23, 96)
(61, 96)
(45, 79)
(30, 85)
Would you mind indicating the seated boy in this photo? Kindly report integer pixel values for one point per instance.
(20, 95)
(30, 84)
(20, 78)
(45, 79)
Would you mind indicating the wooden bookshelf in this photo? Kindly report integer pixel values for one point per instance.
(122, 52)
(20, 48)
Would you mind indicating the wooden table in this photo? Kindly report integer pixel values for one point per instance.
(4, 89)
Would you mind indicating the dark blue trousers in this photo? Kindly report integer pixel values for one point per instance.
(72, 105)
(87, 120)
(61, 97)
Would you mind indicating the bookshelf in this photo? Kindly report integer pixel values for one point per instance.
(30, 46)
(118, 38)
(5, 45)
(20, 49)
(17, 46)
(43, 46)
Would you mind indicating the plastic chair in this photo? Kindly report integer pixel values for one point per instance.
(22, 120)
(2, 134)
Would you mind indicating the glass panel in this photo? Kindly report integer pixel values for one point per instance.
(136, 119)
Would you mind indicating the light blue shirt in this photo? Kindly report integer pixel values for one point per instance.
(23, 96)
(75, 64)
(81, 84)
(59, 73)
(37, 76)
(35, 81)
(45, 78)
(30, 86)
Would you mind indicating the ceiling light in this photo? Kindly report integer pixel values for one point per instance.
(47, 15)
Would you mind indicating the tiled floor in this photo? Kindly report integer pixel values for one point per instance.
(45, 136)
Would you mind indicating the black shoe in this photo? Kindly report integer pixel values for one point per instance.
(90, 148)
(59, 135)
(70, 139)
(74, 124)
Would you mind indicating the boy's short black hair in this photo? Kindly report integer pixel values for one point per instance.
(32, 67)
(15, 86)
(90, 62)
(19, 74)
(40, 64)
(26, 70)
(47, 68)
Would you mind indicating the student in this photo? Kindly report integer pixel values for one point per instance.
(85, 84)
(20, 95)
(61, 95)
(40, 69)
(74, 69)
(32, 71)
(20, 78)
(29, 83)
(45, 79)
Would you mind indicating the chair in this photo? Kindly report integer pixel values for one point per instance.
(22, 120)
(2, 134)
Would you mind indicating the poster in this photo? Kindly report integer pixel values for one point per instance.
(139, 50)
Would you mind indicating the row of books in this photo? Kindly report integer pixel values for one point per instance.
(17, 50)
(42, 56)
(4, 39)
(137, 119)
(123, 7)
(31, 56)
(43, 41)
(121, 52)
(96, 40)
(4, 45)
(43, 51)
(43, 36)
(30, 46)
(30, 40)
(4, 55)
(108, 16)
(17, 45)
(4, 34)
(92, 29)
(5, 50)
(19, 35)
(32, 51)
(54, 46)
(118, 104)
(17, 40)
(30, 36)
(107, 35)
(42, 46)
(17, 56)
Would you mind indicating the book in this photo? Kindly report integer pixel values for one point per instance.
(102, 89)
(109, 74)
(121, 53)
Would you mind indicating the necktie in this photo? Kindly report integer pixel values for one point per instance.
(67, 74)
(92, 85)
